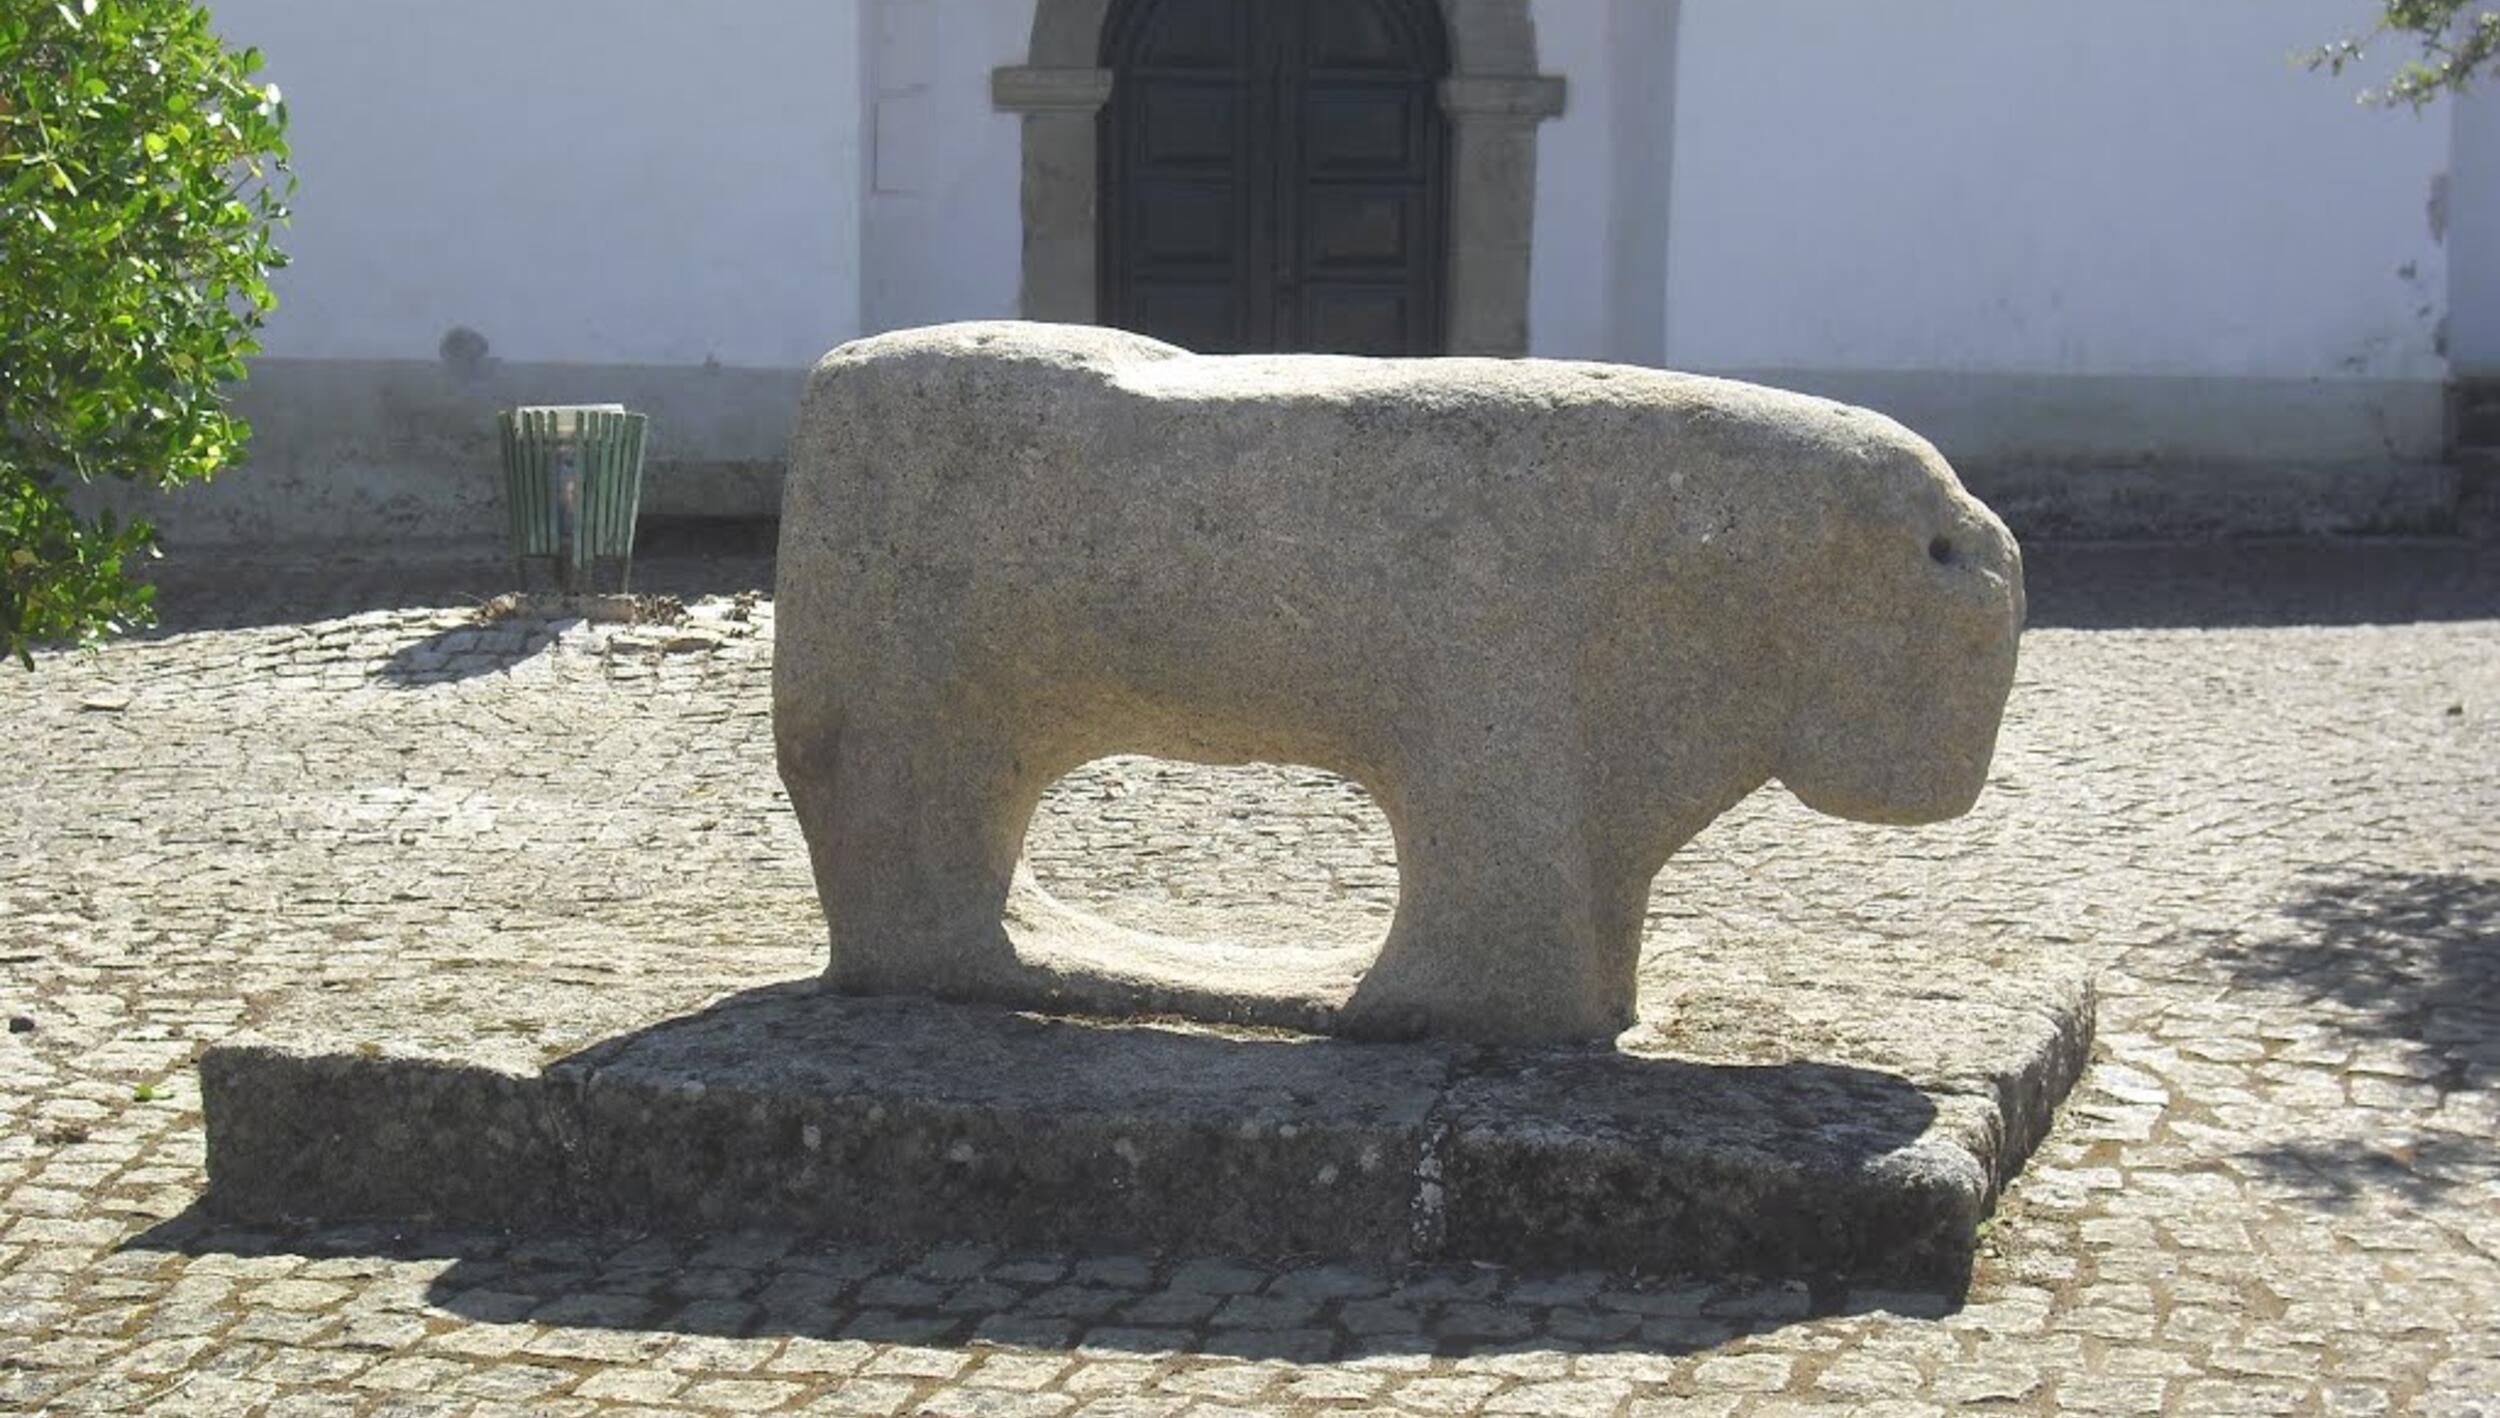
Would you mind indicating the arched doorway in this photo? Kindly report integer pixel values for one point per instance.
(1492, 102)
(1272, 174)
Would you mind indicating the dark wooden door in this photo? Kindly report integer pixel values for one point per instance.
(1272, 174)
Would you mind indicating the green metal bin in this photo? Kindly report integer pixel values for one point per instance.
(573, 481)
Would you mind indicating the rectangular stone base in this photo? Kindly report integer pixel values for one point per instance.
(786, 1108)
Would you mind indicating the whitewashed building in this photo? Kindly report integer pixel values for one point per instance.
(2125, 262)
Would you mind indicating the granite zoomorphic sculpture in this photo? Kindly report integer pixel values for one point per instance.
(1555, 617)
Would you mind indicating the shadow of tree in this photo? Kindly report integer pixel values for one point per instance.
(2413, 956)
(2402, 959)
(2337, 1175)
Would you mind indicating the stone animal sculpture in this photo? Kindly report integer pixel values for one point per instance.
(1554, 616)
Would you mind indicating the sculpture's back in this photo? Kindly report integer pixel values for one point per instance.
(1554, 616)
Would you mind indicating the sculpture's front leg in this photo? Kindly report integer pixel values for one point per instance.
(1506, 929)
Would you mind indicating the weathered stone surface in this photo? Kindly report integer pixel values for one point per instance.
(1554, 617)
(1709, 1144)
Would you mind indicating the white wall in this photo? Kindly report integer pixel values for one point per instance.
(943, 235)
(1604, 174)
(580, 181)
(1568, 294)
(2474, 234)
(2133, 187)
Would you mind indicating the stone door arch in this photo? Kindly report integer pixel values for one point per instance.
(1492, 102)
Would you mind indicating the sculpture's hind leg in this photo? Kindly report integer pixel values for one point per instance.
(913, 838)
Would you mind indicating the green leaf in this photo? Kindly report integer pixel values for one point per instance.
(149, 180)
(2452, 49)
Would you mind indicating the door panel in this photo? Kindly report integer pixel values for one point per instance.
(1189, 126)
(1356, 36)
(1350, 229)
(1353, 319)
(1192, 34)
(1205, 316)
(1273, 174)
(1183, 229)
(1184, 201)
(1351, 129)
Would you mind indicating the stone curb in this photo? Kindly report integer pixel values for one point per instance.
(787, 1109)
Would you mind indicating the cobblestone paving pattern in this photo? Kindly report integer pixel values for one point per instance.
(2261, 786)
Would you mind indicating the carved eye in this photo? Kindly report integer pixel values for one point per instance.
(1940, 551)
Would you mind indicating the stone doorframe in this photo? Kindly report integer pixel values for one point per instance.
(1494, 98)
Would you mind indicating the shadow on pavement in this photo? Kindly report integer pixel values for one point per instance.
(2190, 585)
(2409, 955)
(463, 652)
(2411, 959)
(765, 1285)
(2338, 1175)
(208, 589)
(2073, 585)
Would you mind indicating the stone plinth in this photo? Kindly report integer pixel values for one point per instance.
(1793, 1111)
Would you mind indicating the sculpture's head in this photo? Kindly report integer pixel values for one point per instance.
(1906, 645)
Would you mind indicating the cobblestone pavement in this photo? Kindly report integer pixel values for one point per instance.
(2261, 786)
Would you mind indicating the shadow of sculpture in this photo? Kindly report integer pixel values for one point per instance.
(765, 1285)
(2407, 966)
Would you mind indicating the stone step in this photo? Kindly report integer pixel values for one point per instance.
(784, 1108)
(2478, 414)
(2478, 491)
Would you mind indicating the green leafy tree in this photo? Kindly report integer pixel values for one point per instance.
(2452, 41)
(142, 169)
